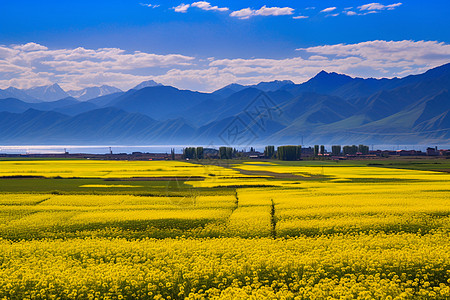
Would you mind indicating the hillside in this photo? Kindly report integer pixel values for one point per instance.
(328, 108)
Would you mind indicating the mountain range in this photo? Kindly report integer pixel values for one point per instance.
(329, 108)
(53, 92)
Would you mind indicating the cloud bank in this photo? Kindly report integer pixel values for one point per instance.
(247, 13)
(371, 8)
(183, 8)
(207, 6)
(263, 11)
(328, 9)
(378, 6)
(33, 64)
(244, 13)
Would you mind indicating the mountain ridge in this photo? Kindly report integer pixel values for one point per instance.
(328, 108)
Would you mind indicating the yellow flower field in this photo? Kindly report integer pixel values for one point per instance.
(109, 169)
(337, 232)
(399, 266)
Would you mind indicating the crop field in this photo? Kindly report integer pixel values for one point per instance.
(84, 229)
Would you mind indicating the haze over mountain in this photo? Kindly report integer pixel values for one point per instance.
(144, 84)
(328, 108)
(93, 92)
(13, 92)
(47, 92)
(54, 92)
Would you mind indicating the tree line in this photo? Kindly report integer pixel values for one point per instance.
(289, 152)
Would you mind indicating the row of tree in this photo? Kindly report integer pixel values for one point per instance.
(289, 152)
(226, 152)
(193, 153)
(282, 152)
(350, 150)
(319, 150)
(353, 149)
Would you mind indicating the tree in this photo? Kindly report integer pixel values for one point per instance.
(316, 150)
(322, 149)
(289, 152)
(199, 153)
(226, 153)
(363, 149)
(336, 150)
(172, 153)
(269, 151)
(189, 153)
(229, 152)
(350, 150)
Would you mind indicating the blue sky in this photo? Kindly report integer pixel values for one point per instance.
(203, 45)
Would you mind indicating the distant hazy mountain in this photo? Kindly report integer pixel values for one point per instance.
(229, 90)
(93, 92)
(148, 83)
(329, 108)
(103, 101)
(272, 85)
(75, 108)
(15, 93)
(29, 126)
(18, 106)
(55, 92)
(107, 124)
(262, 86)
(47, 92)
(351, 88)
(159, 102)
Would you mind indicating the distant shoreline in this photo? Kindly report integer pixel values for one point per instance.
(129, 149)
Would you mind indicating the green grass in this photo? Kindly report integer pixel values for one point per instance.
(73, 186)
(422, 164)
(18, 158)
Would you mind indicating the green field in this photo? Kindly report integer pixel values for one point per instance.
(79, 229)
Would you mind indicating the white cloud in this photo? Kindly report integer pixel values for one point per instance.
(30, 47)
(274, 11)
(387, 57)
(378, 6)
(371, 8)
(393, 6)
(28, 64)
(246, 13)
(300, 17)
(81, 67)
(150, 5)
(207, 6)
(182, 8)
(328, 9)
(366, 59)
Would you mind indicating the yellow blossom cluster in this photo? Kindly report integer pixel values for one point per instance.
(110, 169)
(361, 266)
(313, 232)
